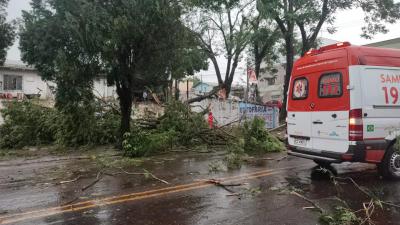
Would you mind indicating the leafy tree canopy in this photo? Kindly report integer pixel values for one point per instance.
(134, 43)
(223, 29)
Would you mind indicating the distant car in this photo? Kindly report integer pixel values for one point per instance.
(344, 105)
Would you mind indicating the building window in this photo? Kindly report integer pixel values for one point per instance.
(12, 83)
(271, 81)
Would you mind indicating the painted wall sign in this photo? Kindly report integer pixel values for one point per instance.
(269, 114)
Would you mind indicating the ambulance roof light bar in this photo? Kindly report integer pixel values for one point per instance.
(328, 47)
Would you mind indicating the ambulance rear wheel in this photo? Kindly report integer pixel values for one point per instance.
(389, 168)
(322, 163)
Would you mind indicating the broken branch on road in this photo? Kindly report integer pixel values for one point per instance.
(146, 173)
(364, 191)
(69, 181)
(224, 186)
(308, 200)
(98, 178)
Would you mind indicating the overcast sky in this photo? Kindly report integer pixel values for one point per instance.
(348, 25)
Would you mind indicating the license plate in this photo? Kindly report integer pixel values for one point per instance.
(301, 142)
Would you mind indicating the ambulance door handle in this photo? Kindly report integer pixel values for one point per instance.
(334, 116)
(318, 122)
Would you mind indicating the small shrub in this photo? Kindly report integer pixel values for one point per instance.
(235, 157)
(144, 143)
(257, 138)
(107, 126)
(340, 216)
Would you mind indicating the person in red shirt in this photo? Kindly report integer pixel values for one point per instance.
(210, 120)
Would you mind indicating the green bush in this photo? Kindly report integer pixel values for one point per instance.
(340, 216)
(258, 139)
(144, 143)
(87, 125)
(181, 120)
(29, 124)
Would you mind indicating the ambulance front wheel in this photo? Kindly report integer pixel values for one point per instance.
(322, 163)
(389, 168)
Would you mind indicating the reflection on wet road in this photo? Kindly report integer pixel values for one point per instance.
(29, 194)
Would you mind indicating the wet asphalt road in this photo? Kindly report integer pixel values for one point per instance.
(31, 192)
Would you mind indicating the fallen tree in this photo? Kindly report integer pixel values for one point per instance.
(181, 127)
(210, 94)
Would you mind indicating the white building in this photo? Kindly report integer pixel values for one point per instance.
(392, 43)
(18, 81)
(270, 86)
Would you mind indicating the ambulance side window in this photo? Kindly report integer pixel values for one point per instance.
(300, 89)
(330, 85)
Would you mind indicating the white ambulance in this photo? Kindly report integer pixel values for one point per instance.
(344, 105)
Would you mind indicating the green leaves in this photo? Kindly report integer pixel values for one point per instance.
(29, 124)
(7, 32)
(340, 216)
(257, 138)
(377, 14)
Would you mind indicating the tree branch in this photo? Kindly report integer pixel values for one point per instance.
(201, 98)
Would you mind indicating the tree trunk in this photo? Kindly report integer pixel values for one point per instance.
(125, 101)
(257, 67)
(258, 71)
(177, 91)
(201, 98)
(289, 65)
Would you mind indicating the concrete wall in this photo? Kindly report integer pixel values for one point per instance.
(226, 112)
(101, 90)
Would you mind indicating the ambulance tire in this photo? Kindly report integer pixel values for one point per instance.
(323, 164)
(389, 168)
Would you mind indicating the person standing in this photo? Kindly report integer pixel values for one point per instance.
(210, 120)
(145, 96)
